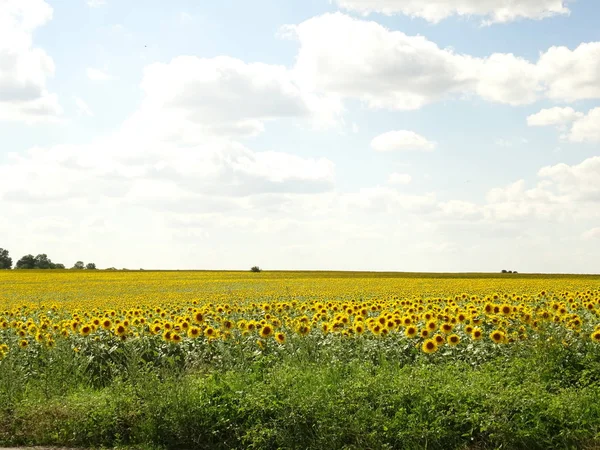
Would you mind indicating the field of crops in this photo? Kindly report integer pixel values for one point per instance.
(345, 360)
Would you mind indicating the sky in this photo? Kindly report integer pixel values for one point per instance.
(381, 135)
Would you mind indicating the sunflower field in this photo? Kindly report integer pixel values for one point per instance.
(299, 360)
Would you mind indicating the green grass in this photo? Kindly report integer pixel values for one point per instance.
(342, 395)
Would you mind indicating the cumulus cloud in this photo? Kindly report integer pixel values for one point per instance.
(436, 10)
(391, 70)
(225, 95)
(594, 233)
(579, 182)
(586, 128)
(563, 192)
(217, 167)
(571, 75)
(553, 116)
(24, 68)
(401, 140)
(583, 127)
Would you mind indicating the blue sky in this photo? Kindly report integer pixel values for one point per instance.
(457, 135)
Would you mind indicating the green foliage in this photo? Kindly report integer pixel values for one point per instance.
(40, 261)
(343, 393)
(26, 262)
(5, 260)
(255, 269)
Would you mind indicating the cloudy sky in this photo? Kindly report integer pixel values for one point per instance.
(448, 135)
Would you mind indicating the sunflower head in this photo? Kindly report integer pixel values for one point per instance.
(453, 340)
(497, 336)
(429, 346)
(266, 331)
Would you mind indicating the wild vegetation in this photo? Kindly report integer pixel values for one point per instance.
(299, 360)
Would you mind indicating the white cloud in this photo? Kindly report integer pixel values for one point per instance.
(571, 75)
(383, 68)
(583, 127)
(98, 74)
(553, 116)
(24, 68)
(580, 182)
(563, 193)
(399, 178)
(401, 140)
(82, 107)
(586, 128)
(388, 69)
(594, 233)
(226, 96)
(437, 10)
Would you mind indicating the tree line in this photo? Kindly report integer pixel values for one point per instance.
(40, 261)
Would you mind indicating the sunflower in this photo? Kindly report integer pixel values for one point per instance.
(431, 325)
(120, 330)
(359, 328)
(198, 317)
(193, 332)
(410, 331)
(446, 327)
(23, 343)
(497, 336)
(280, 337)
(453, 340)
(424, 333)
(429, 346)
(106, 324)
(303, 330)
(477, 334)
(439, 339)
(85, 330)
(266, 331)
(210, 332)
(176, 338)
(595, 336)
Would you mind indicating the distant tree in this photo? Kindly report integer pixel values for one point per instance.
(26, 262)
(90, 266)
(43, 262)
(514, 271)
(5, 260)
(59, 266)
(111, 268)
(255, 269)
(79, 265)
(504, 271)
